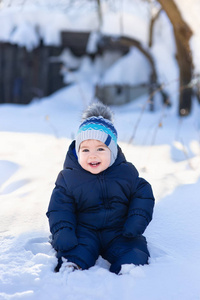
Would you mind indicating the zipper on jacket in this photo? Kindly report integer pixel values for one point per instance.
(104, 190)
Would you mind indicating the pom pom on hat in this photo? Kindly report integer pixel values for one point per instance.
(97, 125)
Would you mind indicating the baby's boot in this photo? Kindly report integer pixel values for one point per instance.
(64, 264)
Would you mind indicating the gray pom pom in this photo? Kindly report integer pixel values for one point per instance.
(96, 110)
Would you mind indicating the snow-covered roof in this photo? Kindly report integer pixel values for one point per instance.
(133, 68)
(27, 24)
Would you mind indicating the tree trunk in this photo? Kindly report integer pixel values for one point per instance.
(182, 33)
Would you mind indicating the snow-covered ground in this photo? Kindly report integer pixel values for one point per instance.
(164, 148)
(166, 151)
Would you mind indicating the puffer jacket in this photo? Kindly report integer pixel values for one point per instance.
(114, 198)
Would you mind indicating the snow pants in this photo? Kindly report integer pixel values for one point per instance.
(111, 245)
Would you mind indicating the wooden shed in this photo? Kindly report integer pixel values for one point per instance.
(25, 74)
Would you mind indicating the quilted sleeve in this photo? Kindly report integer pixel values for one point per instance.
(140, 208)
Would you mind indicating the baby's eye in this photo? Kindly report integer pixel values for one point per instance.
(100, 149)
(85, 150)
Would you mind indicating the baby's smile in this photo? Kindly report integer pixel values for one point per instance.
(94, 164)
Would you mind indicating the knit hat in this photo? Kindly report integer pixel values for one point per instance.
(97, 125)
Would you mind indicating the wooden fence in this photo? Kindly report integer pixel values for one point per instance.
(25, 75)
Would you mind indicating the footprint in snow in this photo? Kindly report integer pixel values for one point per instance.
(12, 187)
(38, 245)
(8, 169)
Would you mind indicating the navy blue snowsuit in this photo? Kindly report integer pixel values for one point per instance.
(100, 214)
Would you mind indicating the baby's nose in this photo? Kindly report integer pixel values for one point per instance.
(93, 154)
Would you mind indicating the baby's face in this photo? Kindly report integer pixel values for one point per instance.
(94, 156)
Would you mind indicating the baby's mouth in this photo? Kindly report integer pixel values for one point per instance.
(94, 164)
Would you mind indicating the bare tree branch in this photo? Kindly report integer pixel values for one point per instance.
(153, 19)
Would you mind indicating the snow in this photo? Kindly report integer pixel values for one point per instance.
(164, 148)
(25, 36)
(124, 70)
(34, 141)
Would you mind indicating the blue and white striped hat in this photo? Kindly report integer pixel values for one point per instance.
(101, 129)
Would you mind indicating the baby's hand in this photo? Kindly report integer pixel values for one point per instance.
(64, 239)
(134, 226)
